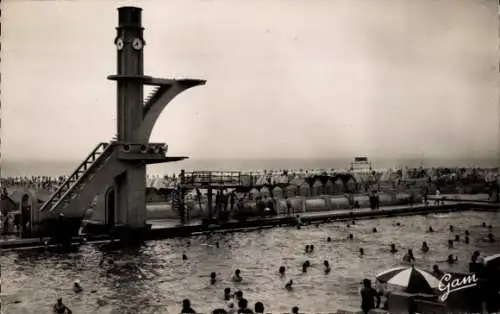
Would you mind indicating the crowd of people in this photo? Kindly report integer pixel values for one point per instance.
(287, 176)
(33, 182)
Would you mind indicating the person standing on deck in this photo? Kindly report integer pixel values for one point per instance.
(270, 205)
(368, 297)
(438, 197)
(5, 222)
(261, 206)
(226, 201)
(61, 308)
(232, 199)
(288, 206)
(425, 192)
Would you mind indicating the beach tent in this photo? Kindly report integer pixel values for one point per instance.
(351, 184)
(264, 192)
(254, 193)
(338, 186)
(278, 192)
(329, 188)
(291, 190)
(317, 188)
(304, 189)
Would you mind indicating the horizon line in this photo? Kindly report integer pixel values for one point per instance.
(395, 158)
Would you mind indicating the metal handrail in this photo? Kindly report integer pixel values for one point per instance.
(66, 183)
(107, 149)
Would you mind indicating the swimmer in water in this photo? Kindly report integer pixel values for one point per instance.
(425, 247)
(311, 248)
(304, 268)
(438, 273)
(237, 276)
(282, 270)
(361, 252)
(238, 295)
(353, 222)
(327, 267)
(430, 229)
(213, 278)
(467, 233)
(307, 250)
(350, 236)
(348, 226)
(374, 230)
(408, 257)
(484, 224)
(299, 221)
(230, 308)
(76, 287)
(101, 302)
(466, 239)
(295, 310)
(490, 238)
(227, 294)
(329, 239)
(184, 257)
(452, 259)
(61, 308)
(393, 248)
(259, 308)
(186, 307)
(452, 228)
(243, 307)
(474, 256)
(289, 285)
(457, 238)
(450, 244)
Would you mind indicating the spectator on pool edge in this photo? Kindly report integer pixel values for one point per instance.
(368, 297)
(186, 307)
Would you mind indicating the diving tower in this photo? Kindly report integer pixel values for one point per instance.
(118, 167)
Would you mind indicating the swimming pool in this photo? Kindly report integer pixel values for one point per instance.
(156, 279)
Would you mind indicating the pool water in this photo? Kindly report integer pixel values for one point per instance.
(155, 279)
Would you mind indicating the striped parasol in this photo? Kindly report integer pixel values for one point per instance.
(492, 260)
(413, 279)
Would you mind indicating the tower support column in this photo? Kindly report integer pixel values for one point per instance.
(131, 197)
(131, 203)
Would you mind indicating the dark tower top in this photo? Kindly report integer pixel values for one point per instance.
(130, 41)
(129, 17)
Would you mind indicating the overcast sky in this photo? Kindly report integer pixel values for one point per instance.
(297, 78)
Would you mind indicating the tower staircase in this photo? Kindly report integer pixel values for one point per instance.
(77, 181)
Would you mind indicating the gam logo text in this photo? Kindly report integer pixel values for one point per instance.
(448, 285)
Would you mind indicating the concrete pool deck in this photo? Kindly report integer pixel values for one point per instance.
(169, 228)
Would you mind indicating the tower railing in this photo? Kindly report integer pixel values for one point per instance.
(213, 177)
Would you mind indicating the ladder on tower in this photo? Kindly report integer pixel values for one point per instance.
(69, 189)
